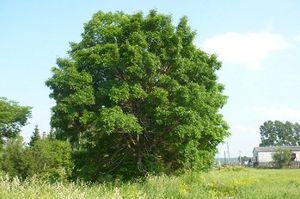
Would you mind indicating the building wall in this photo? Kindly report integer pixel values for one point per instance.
(264, 156)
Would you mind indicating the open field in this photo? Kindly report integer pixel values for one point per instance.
(225, 183)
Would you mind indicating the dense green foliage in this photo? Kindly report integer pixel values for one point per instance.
(226, 183)
(35, 136)
(136, 96)
(47, 159)
(12, 118)
(280, 134)
(281, 157)
(12, 157)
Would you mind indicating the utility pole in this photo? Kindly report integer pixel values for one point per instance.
(225, 158)
(228, 154)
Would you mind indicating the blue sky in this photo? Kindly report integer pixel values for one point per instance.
(257, 41)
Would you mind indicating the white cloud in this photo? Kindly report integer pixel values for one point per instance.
(279, 113)
(248, 49)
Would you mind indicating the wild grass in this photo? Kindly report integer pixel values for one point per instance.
(224, 183)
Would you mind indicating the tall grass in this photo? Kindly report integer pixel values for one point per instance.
(224, 183)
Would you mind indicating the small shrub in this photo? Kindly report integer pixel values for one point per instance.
(12, 157)
(49, 159)
(281, 157)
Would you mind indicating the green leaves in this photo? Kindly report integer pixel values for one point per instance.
(12, 118)
(137, 88)
(281, 157)
(112, 120)
(277, 133)
(71, 86)
(119, 94)
(48, 159)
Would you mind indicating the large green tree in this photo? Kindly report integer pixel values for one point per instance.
(136, 95)
(277, 133)
(12, 118)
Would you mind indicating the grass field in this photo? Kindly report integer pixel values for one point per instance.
(224, 183)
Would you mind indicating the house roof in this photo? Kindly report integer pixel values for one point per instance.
(273, 148)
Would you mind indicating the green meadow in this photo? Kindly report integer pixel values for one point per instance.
(224, 183)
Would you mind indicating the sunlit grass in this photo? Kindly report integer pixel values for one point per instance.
(224, 183)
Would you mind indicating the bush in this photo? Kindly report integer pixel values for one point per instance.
(46, 159)
(49, 159)
(12, 157)
(281, 157)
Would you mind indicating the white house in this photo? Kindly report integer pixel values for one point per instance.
(262, 156)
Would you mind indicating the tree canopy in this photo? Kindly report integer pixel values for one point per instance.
(12, 118)
(277, 133)
(135, 95)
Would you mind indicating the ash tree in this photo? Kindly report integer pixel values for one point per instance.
(136, 96)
